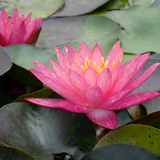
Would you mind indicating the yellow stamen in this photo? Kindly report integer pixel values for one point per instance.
(99, 70)
(86, 66)
(95, 66)
(113, 65)
(82, 68)
(102, 62)
(87, 61)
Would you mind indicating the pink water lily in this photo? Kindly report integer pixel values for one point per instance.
(18, 30)
(93, 85)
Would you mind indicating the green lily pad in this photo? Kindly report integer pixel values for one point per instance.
(23, 56)
(141, 31)
(71, 31)
(79, 7)
(43, 93)
(11, 153)
(133, 134)
(156, 4)
(38, 8)
(143, 2)
(5, 61)
(120, 152)
(40, 131)
(152, 119)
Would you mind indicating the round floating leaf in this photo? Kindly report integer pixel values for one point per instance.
(40, 131)
(141, 31)
(123, 118)
(152, 119)
(71, 31)
(43, 93)
(137, 111)
(134, 134)
(5, 61)
(79, 7)
(152, 105)
(120, 152)
(23, 55)
(156, 4)
(11, 153)
(143, 2)
(38, 8)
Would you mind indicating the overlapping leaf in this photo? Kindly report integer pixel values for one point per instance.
(141, 31)
(71, 31)
(38, 8)
(40, 131)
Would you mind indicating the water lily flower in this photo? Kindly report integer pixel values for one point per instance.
(93, 85)
(18, 30)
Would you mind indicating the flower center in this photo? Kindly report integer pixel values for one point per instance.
(98, 69)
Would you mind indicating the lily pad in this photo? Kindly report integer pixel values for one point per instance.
(23, 55)
(141, 31)
(79, 7)
(120, 152)
(133, 134)
(71, 31)
(5, 61)
(38, 8)
(152, 119)
(11, 153)
(143, 2)
(40, 131)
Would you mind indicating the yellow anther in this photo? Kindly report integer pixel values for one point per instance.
(86, 66)
(82, 68)
(99, 70)
(87, 61)
(75, 61)
(113, 65)
(95, 66)
(102, 62)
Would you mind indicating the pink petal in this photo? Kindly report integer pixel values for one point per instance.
(142, 61)
(30, 28)
(117, 58)
(75, 67)
(134, 99)
(18, 34)
(143, 77)
(93, 96)
(69, 106)
(63, 76)
(15, 15)
(59, 104)
(78, 82)
(2, 28)
(85, 51)
(61, 59)
(124, 79)
(103, 117)
(104, 81)
(78, 59)
(58, 87)
(47, 72)
(96, 56)
(114, 99)
(3, 41)
(91, 76)
(113, 51)
(45, 102)
(4, 16)
(69, 53)
(27, 19)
